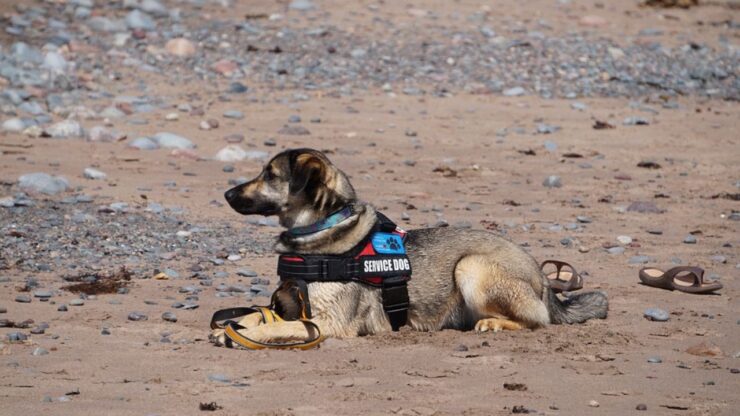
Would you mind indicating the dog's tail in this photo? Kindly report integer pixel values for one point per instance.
(576, 308)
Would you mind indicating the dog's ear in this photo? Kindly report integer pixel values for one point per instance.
(307, 173)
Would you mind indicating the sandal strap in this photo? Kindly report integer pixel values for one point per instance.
(696, 272)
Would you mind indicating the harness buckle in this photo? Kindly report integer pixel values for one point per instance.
(333, 269)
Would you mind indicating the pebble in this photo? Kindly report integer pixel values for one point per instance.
(76, 302)
(644, 207)
(65, 129)
(641, 407)
(639, 260)
(14, 125)
(23, 299)
(172, 141)
(655, 314)
(615, 250)
(654, 360)
(593, 403)
(514, 92)
(137, 316)
(43, 183)
(238, 88)
(137, 19)
(62, 308)
(690, 239)
(225, 67)
(552, 182)
(220, 378)
(636, 121)
(246, 273)
(16, 336)
(583, 219)
(91, 173)
(105, 331)
(231, 153)
(144, 143)
(44, 294)
(234, 114)
(719, 259)
(167, 316)
(180, 47)
(624, 239)
(294, 131)
(104, 134)
(39, 351)
(301, 5)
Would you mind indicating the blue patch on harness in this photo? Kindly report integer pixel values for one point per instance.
(387, 243)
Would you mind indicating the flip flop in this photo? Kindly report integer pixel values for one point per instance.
(565, 278)
(684, 278)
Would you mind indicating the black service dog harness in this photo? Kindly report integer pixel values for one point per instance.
(379, 260)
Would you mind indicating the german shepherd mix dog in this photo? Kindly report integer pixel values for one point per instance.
(462, 279)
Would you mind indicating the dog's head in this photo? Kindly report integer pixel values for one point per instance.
(300, 186)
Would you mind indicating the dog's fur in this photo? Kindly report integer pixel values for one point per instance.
(462, 279)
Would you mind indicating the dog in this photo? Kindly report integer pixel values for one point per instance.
(462, 279)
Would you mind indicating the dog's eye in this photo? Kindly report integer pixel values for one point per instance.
(269, 174)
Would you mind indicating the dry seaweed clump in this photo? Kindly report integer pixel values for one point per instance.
(98, 283)
(684, 4)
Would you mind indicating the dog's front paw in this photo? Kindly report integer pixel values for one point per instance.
(496, 325)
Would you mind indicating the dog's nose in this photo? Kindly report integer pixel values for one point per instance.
(230, 194)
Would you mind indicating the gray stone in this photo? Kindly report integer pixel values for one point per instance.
(137, 316)
(137, 19)
(513, 92)
(543, 128)
(104, 24)
(44, 294)
(169, 317)
(615, 250)
(171, 140)
(654, 360)
(636, 121)
(62, 308)
(55, 62)
(39, 351)
(154, 8)
(644, 207)
(719, 259)
(302, 5)
(76, 302)
(577, 105)
(639, 260)
(690, 239)
(234, 114)
(144, 143)
(294, 131)
(237, 88)
(655, 314)
(23, 299)
(91, 173)
(246, 273)
(583, 219)
(16, 336)
(552, 182)
(14, 125)
(65, 129)
(220, 378)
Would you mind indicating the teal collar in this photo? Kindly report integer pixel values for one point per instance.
(324, 224)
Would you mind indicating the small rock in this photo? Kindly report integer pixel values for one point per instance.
(173, 141)
(624, 239)
(301, 5)
(639, 260)
(14, 125)
(593, 403)
(103, 134)
(91, 173)
(43, 183)
(43, 294)
(294, 131)
(62, 308)
(76, 302)
(144, 143)
(514, 92)
(169, 317)
(690, 239)
(39, 351)
(65, 129)
(552, 182)
(137, 316)
(635, 121)
(220, 378)
(641, 407)
(644, 207)
(233, 114)
(180, 47)
(719, 259)
(654, 360)
(225, 67)
(655, 314)
(238, 88)
(583, 219)
(137, 19)
(23, 299)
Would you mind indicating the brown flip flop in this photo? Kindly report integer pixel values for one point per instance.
(684, 278)
(565, 278)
